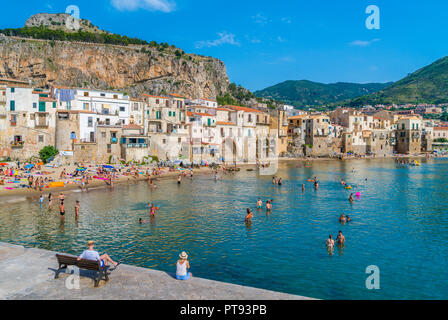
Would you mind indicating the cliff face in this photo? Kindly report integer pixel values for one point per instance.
(133, 69)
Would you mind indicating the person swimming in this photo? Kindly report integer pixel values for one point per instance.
(259, 203)
(342, 219)
(348, 219)
(303, 187)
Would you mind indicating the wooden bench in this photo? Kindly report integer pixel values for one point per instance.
(101, 272)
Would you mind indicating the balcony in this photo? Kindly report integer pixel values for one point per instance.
(17, 144)
(137, 145)
(41, 123)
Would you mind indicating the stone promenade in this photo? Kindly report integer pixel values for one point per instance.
(28, 274)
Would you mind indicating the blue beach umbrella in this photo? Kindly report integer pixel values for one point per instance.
(108, 167)
(29, 166)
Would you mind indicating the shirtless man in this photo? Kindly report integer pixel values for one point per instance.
(259, 203)
(269, 205)
(340, 239)
(303, 187)
(62, 209)
(249, 216)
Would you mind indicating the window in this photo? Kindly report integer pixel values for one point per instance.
(40, 138)
(13, 90)
(90, 122)
(85, 106)
(34, 105)
(13, 120)
(250, 118)
(86, 94)
(179, 140)
(122, 109)
(109, 148)
(157, 101)
(102, 94)
(167, 103)
(103, 134)
(115, 96)
(164, 141)
(169, 113)
(108, 122)
(12, 105)
(136, 107)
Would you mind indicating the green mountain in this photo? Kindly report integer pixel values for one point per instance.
(307, 93)
(427, 85)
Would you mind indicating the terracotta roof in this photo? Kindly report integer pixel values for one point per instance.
(189, 113)
(176, 95)
(301, 116)
(441, 128)
(47, 99)
(223, 123)
(245, 109)
(132, 126)
(225, 109)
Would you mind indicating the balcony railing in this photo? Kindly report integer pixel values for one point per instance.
(136, 145)
(17, 144)
(41, 123)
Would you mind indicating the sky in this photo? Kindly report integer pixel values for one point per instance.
(265, 42)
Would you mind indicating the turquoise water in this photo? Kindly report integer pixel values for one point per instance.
(400, 224)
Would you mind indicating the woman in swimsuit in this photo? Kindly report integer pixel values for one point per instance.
(259, 203)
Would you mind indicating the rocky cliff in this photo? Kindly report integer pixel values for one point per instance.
(134, 69)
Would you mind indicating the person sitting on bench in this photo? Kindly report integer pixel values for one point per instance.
(93, 255)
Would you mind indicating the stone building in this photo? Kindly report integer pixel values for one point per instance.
(409, 135)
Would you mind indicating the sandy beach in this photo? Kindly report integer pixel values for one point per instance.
(14, 192)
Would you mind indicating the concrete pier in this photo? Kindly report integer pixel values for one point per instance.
(28, 274)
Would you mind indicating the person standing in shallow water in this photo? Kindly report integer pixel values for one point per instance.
(351, 198)
(249, 216)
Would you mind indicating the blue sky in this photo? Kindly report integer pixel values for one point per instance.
(267, 42)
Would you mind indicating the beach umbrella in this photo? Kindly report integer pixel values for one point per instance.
(108, 167)
(81, 169)
(29, 166)
(3, 164)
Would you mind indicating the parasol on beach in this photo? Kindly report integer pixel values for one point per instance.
(3, 164)
(29, 166)
(108, 167)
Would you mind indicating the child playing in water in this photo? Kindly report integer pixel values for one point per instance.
(259, 203)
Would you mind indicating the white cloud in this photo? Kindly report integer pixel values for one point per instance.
(152, 5)
(362, 43)
(224, 38)
(260, 19)
(280, 39)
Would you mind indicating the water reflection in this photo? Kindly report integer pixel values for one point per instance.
(399, 223)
